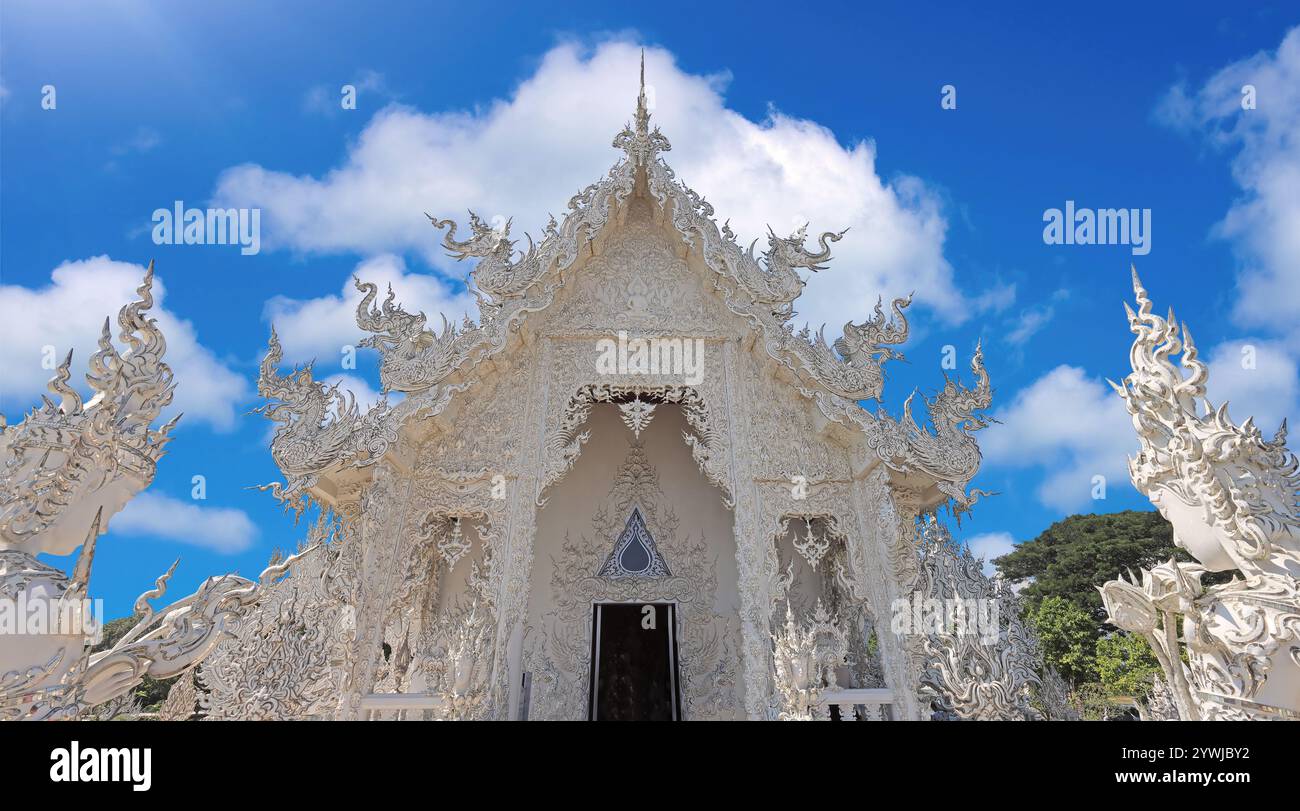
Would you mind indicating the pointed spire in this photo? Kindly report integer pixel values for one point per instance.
(642, 112)
(641, 144)
(85, 560)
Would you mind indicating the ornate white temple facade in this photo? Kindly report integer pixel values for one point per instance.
(633, 421)
(630, 489)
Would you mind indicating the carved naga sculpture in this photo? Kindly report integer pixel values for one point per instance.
(779, 284)
(71, 466)
(318, 427)
(68, 460)
(412, 356)
(951, 448)
(855, 368)
(495, 274)
(1233, 499)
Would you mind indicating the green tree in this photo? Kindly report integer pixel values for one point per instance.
(1071, 558)
(1066, 637)
(1126, 665)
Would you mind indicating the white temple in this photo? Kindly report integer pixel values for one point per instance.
(606, 498)
(630, 490)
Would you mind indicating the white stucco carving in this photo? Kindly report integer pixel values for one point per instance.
(464, 533)
(70, 466)
(974, 672)
(1233, 498)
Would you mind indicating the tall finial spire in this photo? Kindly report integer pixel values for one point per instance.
(640, 144)
(642, 113)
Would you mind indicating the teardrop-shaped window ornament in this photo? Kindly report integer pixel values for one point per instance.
(635, 553)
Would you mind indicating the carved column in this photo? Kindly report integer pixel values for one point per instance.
(755, 553)
(899, 510)
(885, 520)
(384, 530)
(521, 531)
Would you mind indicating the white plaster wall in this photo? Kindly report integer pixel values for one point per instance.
(572, 504)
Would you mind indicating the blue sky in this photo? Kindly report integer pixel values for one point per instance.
(829, 113)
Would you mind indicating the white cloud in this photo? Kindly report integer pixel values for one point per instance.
(143, 140)
(361, 391)
(1029, 322)
(1069, 425)
(1032, 319)
(526, 155)
(990, 545)
(1264, 224)
(1073, 427)
(69, 313)
(1268, 392)
(155, 515)
(319, 328)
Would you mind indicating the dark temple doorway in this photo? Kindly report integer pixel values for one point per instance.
(634, 662)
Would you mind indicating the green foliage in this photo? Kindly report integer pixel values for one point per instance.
(1066, 637)
(1126, 665)
(1064, 565)
(115, 630)
(1093, 703)
(1071, 558)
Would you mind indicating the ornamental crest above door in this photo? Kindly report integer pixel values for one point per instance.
(635, 553)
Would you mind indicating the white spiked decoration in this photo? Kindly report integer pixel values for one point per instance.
(1233, 499)
(70, 466)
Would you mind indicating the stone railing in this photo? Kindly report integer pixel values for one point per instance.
(398, 706)
(858, 704)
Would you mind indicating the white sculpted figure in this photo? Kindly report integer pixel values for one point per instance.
(1232, 498)
(69, 467)
(805, 658)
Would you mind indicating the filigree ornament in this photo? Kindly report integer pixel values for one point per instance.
(455, 653)
(810, 544)
(448, 536)
(636, 415)
(805, 657)
(163, 643)
(69, 459)
(1233, 499)
(453, 546)
(565, 440)
(969, 672)
(317, 427)
(282, 662)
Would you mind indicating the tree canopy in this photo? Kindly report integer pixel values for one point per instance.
(1073, 557)
(1063, 567)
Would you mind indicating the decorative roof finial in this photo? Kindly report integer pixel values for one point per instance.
(637, 140)
(642, 113)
